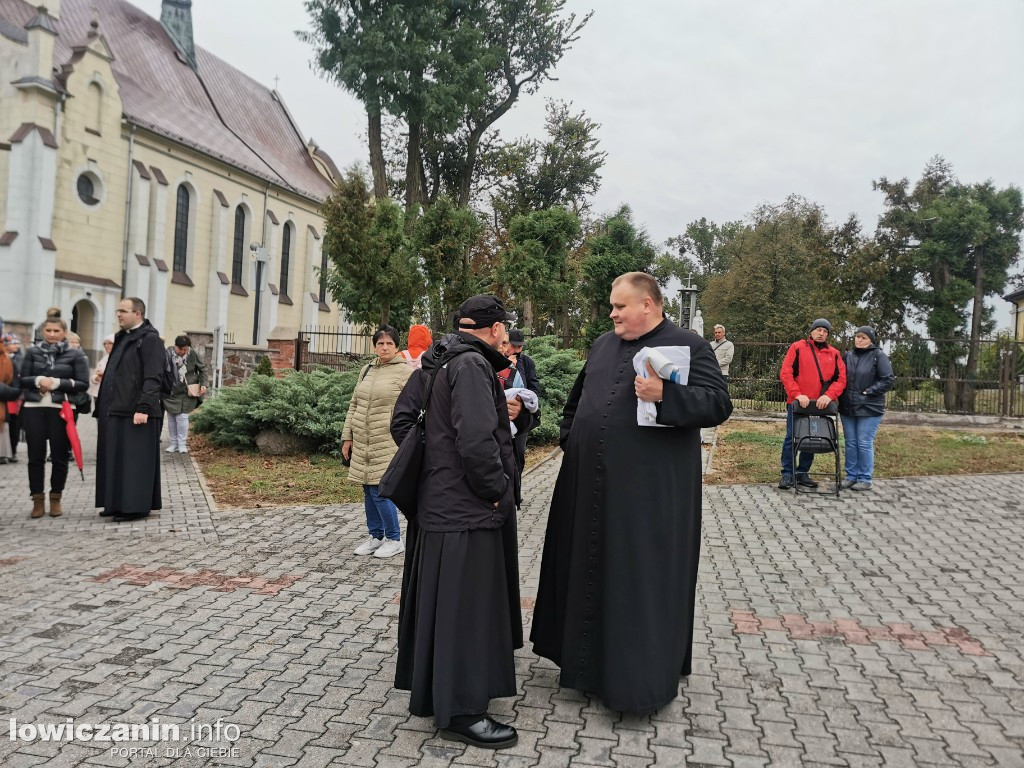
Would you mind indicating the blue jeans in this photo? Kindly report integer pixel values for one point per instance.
(806, 459)
(859, 435)
(381, 515)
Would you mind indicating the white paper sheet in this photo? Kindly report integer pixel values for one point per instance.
(647, 413)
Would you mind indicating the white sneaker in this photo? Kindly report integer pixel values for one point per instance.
(368, 546)
(183, 449)
(389, 548)
(171, 449)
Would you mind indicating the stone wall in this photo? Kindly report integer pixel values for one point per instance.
(241, 361)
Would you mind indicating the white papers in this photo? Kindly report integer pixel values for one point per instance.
(529, 398)
(678, 371)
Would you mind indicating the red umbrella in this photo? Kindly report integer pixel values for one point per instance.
(72, 429)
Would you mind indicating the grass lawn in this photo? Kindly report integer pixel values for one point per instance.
(748, 452)
(247, 479)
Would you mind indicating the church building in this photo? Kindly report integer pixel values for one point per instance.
(134, 163)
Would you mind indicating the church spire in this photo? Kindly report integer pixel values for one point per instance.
(176, 18)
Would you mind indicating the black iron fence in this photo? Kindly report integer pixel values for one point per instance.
(330, 347)
(931, 374)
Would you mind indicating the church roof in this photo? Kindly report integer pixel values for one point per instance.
(215, 109)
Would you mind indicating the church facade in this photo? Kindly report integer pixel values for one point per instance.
(133, 163)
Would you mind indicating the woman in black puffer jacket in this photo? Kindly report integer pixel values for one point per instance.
(861, 406)
(51, 371)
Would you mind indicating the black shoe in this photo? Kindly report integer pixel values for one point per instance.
(786, 482)
(805, 481)
(13, 459)
(3, 459)
(485, 733)
(107, 513)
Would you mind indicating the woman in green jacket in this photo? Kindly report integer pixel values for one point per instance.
(367, 441)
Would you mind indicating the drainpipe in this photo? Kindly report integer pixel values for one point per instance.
(61, 98)
(127, 213)
(260, 264)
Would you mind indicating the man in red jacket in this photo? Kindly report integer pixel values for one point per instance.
(806, 381)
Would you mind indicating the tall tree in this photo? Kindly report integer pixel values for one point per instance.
(371, 275)
(617, 245)
(448, 69)
(697, 254)
(944, 246)
(444, 239)
(787, 266)
(561, 170)
(535, 266)
(376, 50)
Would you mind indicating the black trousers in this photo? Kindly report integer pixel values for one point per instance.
(14, 430)
(45, 426)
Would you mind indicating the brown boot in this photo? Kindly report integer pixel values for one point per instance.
(55, 510)
(38, 508)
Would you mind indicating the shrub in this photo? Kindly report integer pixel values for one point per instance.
(311, 405)
(557, 370)
(263, 367)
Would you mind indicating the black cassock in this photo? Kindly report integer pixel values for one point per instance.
(618, 577)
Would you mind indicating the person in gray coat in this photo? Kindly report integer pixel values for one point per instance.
(187, 393)
(861, 406)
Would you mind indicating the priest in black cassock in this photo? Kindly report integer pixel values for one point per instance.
(129, 417)
(618, 577)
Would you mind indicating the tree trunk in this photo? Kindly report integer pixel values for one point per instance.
(385, 313)
(976, 316)
(528, 316)
(377, 166)
(466, 176)
(412, 174)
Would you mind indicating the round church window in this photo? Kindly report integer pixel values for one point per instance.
(87, 189)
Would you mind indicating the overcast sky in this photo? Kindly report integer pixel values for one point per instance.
(711, 107)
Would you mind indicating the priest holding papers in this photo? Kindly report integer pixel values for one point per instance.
(618, 578)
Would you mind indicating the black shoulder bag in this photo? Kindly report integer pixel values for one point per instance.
(401, 480)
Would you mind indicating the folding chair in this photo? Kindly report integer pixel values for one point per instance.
(815, 431)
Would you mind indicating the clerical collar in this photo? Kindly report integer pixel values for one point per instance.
(654, 330)
(136, 327)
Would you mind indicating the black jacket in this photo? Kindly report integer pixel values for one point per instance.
(131, 381)
(70, 366)
(468, 463)
(868, 377)
(528, 369)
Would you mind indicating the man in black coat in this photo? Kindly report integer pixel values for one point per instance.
(618, 578)
(130, 418)
(460, 621)
(527, 370)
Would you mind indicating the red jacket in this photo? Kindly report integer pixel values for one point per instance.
(806, 381)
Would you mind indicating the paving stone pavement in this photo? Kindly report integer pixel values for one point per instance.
(883, 629)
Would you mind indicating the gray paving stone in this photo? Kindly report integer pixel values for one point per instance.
(875, 631)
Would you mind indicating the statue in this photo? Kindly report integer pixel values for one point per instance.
(697, 326)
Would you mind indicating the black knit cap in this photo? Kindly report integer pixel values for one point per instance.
(479, 312)
(868, 331)
(821, 322)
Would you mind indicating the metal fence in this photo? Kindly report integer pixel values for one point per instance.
(331, 347)
(931, 374)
